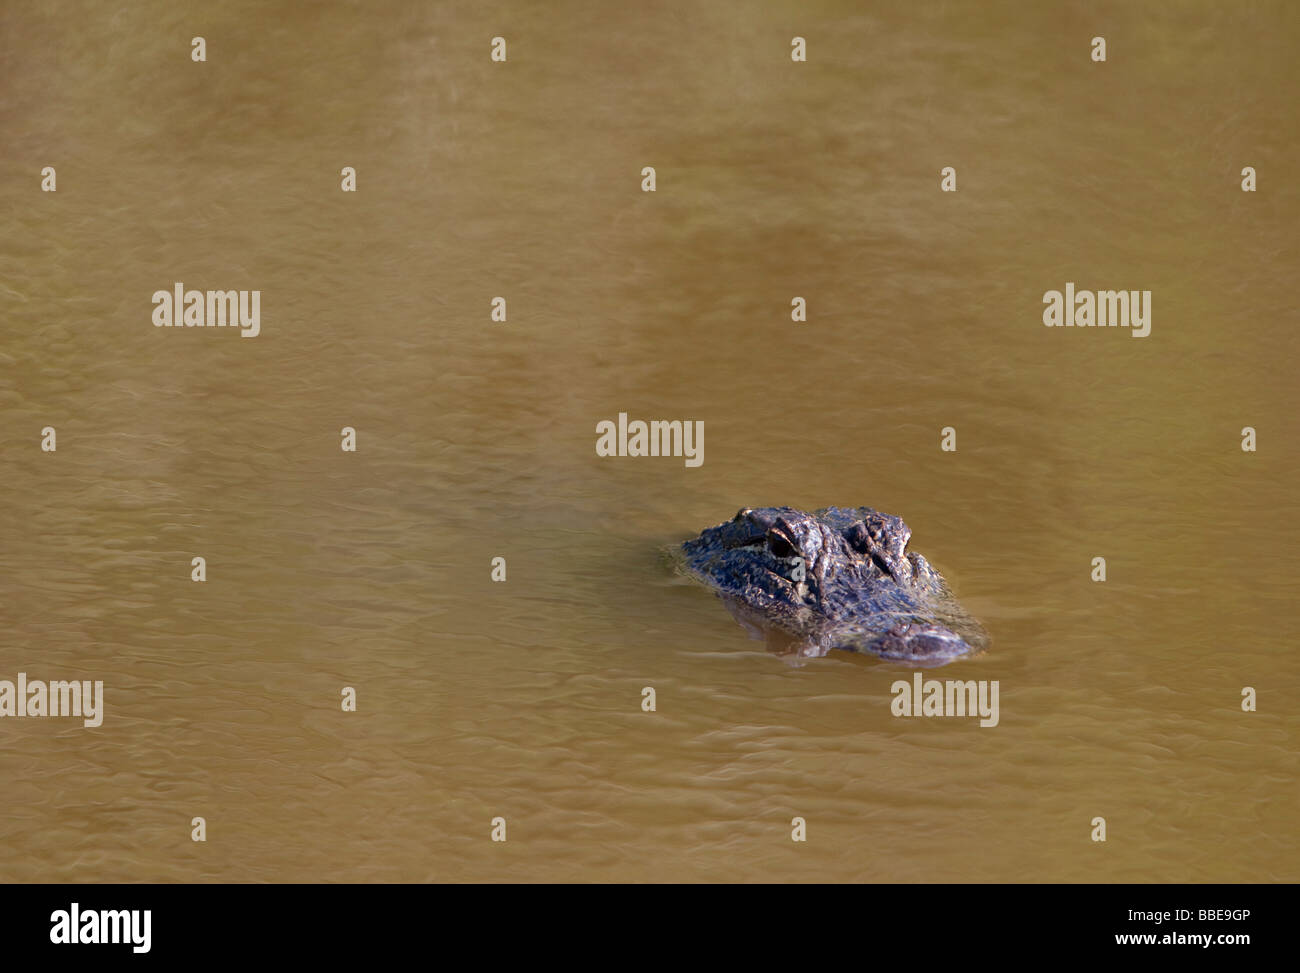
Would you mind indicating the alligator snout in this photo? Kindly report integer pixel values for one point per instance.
(918, 643)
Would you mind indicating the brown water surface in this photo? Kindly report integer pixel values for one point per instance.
(476, 439)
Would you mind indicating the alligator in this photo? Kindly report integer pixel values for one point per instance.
(837, 578)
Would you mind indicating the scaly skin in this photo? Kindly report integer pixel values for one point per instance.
(839, 578)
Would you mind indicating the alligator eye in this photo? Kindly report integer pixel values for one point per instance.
(779, 546)
(858, 537)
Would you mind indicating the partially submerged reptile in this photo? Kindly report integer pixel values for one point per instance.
(838, 578)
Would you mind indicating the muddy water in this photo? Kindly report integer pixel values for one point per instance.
(522, 699)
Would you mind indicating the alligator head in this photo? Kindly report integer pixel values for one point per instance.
(839, 578)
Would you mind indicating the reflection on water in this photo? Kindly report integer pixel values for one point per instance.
(523, 699)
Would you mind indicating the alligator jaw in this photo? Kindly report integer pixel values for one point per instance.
(917, 643)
